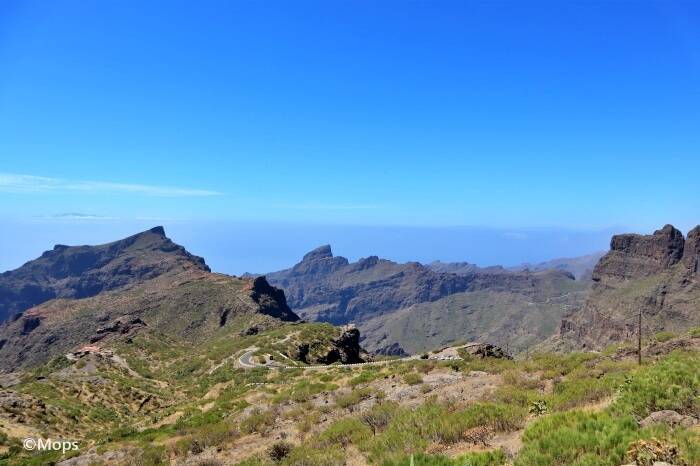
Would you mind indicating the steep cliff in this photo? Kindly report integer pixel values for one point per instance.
(655, 274)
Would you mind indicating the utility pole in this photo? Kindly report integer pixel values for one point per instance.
(639, 338)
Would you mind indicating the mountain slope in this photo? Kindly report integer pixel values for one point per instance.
(160, 346)
(656, 274)
(188, 307)
(371, 292)
(142, 283)
(83, 271)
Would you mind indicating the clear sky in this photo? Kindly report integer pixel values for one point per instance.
(581, 117)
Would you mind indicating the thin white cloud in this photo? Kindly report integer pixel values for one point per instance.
(81, 216)
(14, 183)
(314, 206)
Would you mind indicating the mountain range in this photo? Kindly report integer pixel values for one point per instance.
(143, 284)
(144, 356)
(408, 308)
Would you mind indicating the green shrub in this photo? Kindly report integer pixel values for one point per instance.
(672, 383)
(554, 364)
(413, 429)
(662, 337)
(345, 432)
(576, 437)
(307, 455)
(258, 421)
(508, 394)
(412, 378)
(279, 451)
(576, 392)
(352, 398)
(486, 458)
(518, 379)
(694, 332)
(366, 376)
(378, 417)
(308, 422)
(538, 408)
(603, 438)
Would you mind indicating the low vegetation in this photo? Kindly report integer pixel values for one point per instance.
(578, 408)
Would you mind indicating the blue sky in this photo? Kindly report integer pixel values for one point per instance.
(569, 117)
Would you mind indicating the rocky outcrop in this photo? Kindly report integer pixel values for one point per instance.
(271, 300)
(121, 326)
(347, 347)
(655, 274)
(344, 348)
(635, 256)
(486, 350)
(670, 418)
(393, 349)
(691, 251)
(84, 271)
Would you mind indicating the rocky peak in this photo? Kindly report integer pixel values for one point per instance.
(271, 300)
(83, 271)
(656, 274)
(636, 256)
(321, 252)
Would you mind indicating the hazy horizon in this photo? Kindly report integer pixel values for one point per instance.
(236, 248)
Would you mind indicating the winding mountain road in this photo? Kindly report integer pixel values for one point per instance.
(246, 361)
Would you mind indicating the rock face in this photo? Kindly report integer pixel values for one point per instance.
(379, 297)
(344, 348)
(393, 349)
(84, 271)
(656, 274)
(485, 350)
(634, 256)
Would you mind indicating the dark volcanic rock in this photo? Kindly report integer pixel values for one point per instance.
(344, 348)
(348, 346)
(393, 349)
(691, 251)
(322, 252)
(486, 350)
(654, 274)
(271, 300)
(83, 271)
(635, 256)
(121, 326)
